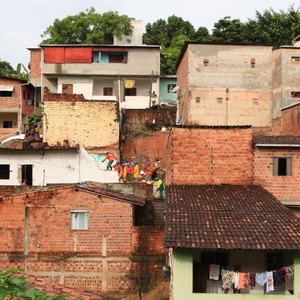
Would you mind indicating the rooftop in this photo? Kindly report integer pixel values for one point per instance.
(276, 141)
(213, 126)
(220, 217)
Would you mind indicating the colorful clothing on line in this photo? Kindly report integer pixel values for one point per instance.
(261, 278)
(227, 277)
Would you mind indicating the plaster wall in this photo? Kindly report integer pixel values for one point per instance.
(55, 167)
(141, 61)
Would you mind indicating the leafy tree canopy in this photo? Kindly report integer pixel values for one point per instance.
(88, 27)
(7, 70)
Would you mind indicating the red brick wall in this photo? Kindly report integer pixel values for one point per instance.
(285, 188)
(35, 63)
(14, 101)
(148, 240)
(276, 126)
(146, 148)
(182, 81)
(210, 156)
(291, 120)
(78, 258)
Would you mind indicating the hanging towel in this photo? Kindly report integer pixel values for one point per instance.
(270, 282)
(214, 272)
(261, 278)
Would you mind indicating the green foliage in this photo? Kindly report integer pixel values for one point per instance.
(88, 27)
(269, 27)
(14, 286)
(7, 70)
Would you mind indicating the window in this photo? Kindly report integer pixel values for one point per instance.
(67, 89)
(107, 91)
(282, 166)
(252, 62)
(197, 99)
(5, 93)
(79, 220)
(116, 58)
(110, 57)
(170, 87)
(130, 92)
(4, 171)
(7, 124)
(295, 94)
(255, 101)
(295, 59)
(219, 100)
(201, 263)
(205, 62)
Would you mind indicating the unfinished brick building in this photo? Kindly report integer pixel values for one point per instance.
(81, 236)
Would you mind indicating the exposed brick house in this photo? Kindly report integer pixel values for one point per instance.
(289, 121)
(216, 208)
(80, 236)
(210, 155)
(16, 104)
(277, 167)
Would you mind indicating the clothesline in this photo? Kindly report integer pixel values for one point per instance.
(241, 280)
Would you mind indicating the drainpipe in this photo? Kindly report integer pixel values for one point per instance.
(21, 108)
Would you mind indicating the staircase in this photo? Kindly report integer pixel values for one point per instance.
(158, 212)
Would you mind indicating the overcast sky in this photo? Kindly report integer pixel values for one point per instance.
(23, 21)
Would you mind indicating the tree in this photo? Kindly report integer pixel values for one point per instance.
(227, 30)
(5, 67)
(88, 27)
(276, 28)
(169, 55)
(7, 70)
(171, 35)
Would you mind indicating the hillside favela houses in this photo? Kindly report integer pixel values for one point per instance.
(225, 226)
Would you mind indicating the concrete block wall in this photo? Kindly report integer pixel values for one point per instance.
(210, 156)
(88, 123)
(284, 188)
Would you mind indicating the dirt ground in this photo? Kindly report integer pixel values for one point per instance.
(161, 292)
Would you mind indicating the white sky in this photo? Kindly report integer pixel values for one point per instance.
(23, 21)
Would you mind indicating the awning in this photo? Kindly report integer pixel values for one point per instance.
(6, 88)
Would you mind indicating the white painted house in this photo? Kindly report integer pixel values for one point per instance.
(53, 165)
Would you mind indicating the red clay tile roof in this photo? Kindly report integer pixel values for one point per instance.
(280, 140)
(212, 217)
(94, 189)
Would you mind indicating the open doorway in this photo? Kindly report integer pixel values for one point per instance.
(27, 174)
